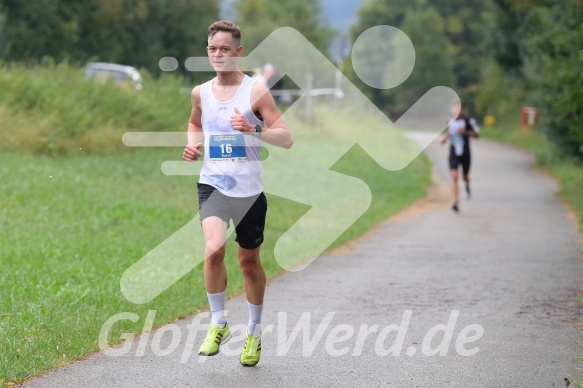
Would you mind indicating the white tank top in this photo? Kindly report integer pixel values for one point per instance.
(231, 159)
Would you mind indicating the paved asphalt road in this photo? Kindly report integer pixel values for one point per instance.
(505, 273)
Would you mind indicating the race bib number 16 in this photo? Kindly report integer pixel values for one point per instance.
(227, 148)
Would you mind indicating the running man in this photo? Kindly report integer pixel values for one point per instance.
(229, 114)
(459, 130)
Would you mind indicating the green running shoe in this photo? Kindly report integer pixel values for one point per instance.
(252, 351)
(215, 337)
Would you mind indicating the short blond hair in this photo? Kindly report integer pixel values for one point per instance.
(225, 26)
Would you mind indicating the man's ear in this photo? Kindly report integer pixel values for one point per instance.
(239, 50)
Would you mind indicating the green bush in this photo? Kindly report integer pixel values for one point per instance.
(554, 59)
(540, 44)
(51, 108)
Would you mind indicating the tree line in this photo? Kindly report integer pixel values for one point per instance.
(132, 32)
(140, 32)
(497, 54)
(537, 46)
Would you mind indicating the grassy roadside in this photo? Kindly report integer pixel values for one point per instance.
(568, 171)
(72, 224)
(51, 109)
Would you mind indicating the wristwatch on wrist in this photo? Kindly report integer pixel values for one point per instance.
(258, 130)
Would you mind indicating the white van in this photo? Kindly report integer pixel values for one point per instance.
(119, 74)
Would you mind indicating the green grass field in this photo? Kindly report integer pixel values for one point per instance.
(73, 220)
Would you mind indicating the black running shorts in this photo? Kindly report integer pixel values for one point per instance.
(464, 160)
(248, 213)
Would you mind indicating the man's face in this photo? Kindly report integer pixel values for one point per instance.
(457, 109)
(222, 52)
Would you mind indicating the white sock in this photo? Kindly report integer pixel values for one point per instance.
(254, 325)
(217, 304)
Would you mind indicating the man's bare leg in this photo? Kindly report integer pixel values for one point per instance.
(455, 190)
(467, 180)
(254, 280)
(215, 272)
(215, 280)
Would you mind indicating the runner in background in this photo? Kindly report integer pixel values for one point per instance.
(460, 129)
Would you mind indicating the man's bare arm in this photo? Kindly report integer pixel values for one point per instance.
(195, 133)
(445, 137)
(277, 133)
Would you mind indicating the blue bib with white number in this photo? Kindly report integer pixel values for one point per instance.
(227, 147)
